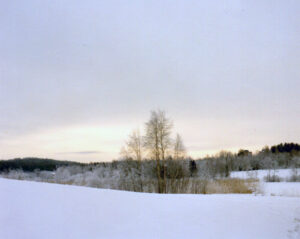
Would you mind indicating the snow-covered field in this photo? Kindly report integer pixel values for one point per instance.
(281, 189)
(31, 210)
(288, 189)
(284, 174)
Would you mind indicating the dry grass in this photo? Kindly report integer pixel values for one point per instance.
(246, 186)
(174, 186)
(219, 186)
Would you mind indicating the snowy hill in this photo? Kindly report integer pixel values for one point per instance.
(31, 210)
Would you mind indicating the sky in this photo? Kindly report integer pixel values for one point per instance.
(76, 77)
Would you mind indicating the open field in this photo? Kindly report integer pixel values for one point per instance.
(283, 174)
(42, 210)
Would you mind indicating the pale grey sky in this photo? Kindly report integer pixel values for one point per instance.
(78, 76)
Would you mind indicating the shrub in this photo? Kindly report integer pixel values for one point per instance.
(272, 178)
(295, 177)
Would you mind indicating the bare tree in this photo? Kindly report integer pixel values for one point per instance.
(227, 157)
(179, 149)
(158, 141)
(152, 144)
(164, 131)
(133, 150)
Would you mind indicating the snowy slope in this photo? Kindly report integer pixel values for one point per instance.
(31, 210)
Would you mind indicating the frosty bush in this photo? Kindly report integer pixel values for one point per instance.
(272, 178)
(295, 175)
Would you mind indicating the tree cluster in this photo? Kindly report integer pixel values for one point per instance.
(286, 148)
(31, 164)
(158, 145)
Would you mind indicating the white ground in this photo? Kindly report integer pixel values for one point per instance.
(290, 189)
(281, 189)
(31, 210)
(284, 174)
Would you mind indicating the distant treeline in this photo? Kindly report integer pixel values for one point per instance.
(283, 155)
(180, 175)
(31, 164)
(286, 148)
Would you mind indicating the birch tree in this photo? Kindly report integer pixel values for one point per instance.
(158, 142)
(133, 150)
(179, 148)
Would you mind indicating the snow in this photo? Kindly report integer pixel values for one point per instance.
(287, 189)
(260, 174)
(31, 210)
(281, 189)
